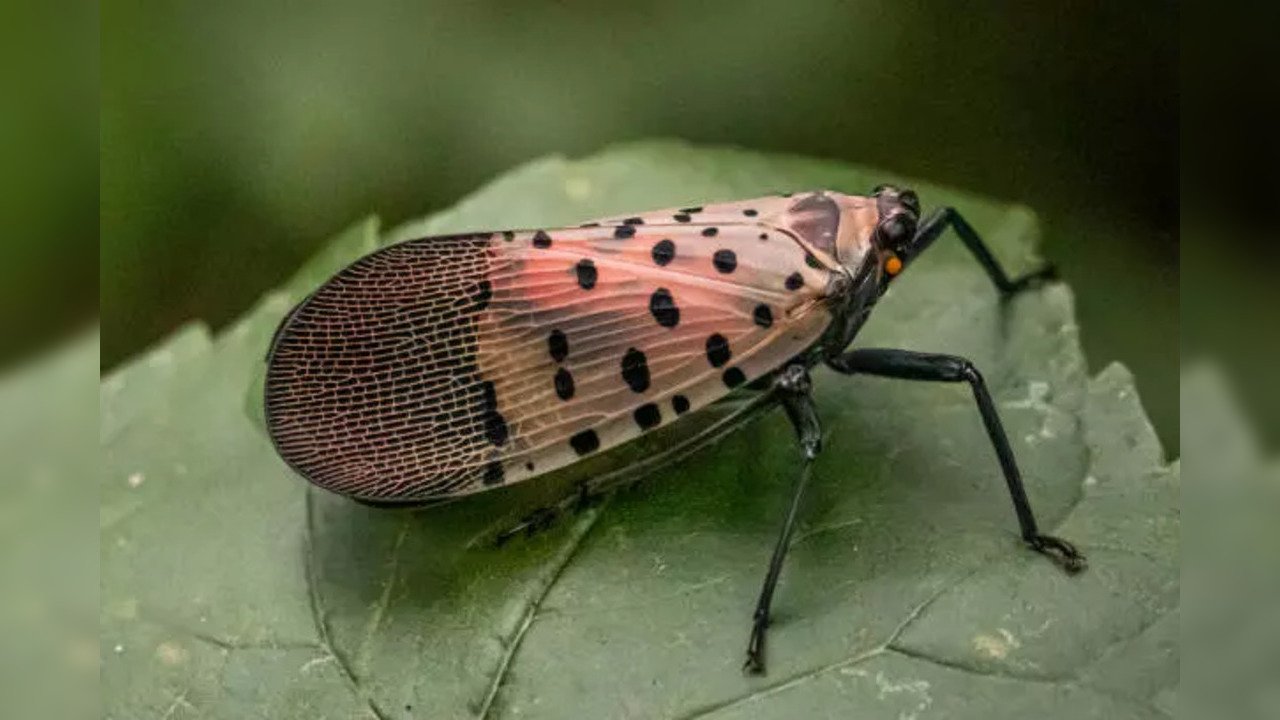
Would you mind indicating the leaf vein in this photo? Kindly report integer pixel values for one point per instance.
(580, 531)
(813, 673)
(378, 613)
(317, 616)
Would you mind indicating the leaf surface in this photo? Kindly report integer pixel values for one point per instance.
(233, 590)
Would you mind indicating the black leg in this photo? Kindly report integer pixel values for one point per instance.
(543, 518)
(793, 387)
(909, 365)
(941, 219)
(537, 521)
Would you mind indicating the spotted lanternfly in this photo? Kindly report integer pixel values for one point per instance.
(445, 366)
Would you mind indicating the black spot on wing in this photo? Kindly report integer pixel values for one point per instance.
(495, 428)
(680, 404)
(481, 295)
(648, 416)
(541, 239)
(564, 384)
(663, 308)
(664, 252)
(794, 281)
(493, 473)
(733, 377)
(725, 261)
(635, 370)
(558, 344)
(762, 316)
(587, 274)
(718, 352)
(488, 397)
(585, 442)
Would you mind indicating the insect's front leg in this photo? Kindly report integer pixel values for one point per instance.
(949, 217)
(908, 365)
(794, 388)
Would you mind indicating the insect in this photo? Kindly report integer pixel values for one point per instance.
(445, 366)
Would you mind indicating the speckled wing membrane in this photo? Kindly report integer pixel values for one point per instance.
(447, 365)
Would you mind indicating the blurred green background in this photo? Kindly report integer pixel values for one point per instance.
(236, 136)
(48, 175)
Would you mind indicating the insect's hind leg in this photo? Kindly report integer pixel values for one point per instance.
(908, 365)
(794, 388)
(949, 217)
(545, 517)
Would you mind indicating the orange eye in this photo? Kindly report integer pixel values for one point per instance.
(893, 265)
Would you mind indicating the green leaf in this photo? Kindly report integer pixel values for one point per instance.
(48, 553)
(1231, 561)
(232, 590)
